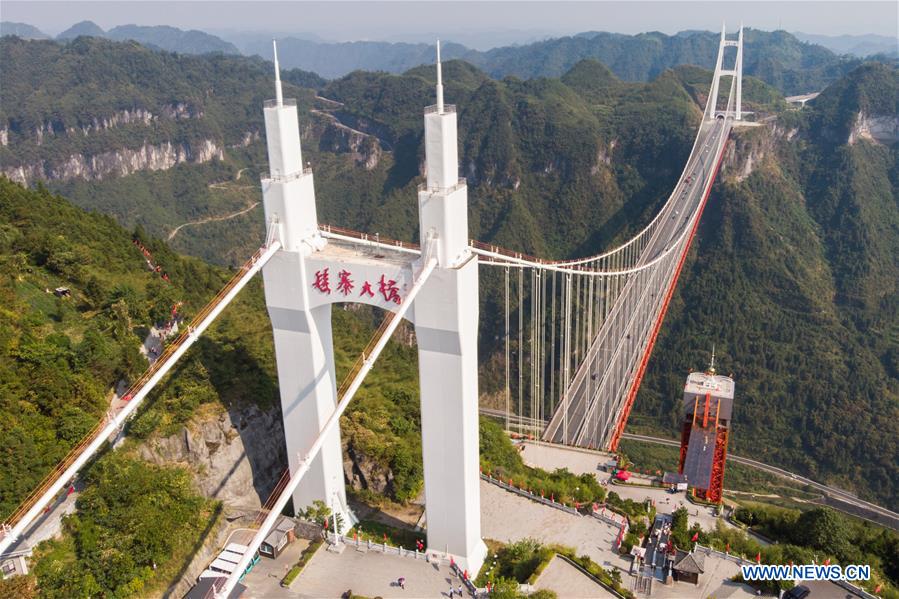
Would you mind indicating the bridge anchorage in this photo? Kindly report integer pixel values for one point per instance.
(591, 325)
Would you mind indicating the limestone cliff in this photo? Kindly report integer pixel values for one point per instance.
(120, 162)
(236, 456)
(752, 146)
(881, 129)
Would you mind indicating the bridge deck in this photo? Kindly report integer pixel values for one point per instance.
(595, 397)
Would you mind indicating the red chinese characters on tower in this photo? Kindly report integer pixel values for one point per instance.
(322, 282)
(344, 282)
(389, 290)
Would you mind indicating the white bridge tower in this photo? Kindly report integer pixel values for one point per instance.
(736, 72)
(311, 272)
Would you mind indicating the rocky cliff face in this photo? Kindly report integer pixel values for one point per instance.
(119, 118)
(882, 129)
(361, 472)
(337, 137)
(752, 146)
(236, 456)
(116, 163)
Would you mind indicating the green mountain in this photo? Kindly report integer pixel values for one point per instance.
(795, 278)
(172, 39)
(62, 355)
(792, 275)
(88, 28)
(777, 58)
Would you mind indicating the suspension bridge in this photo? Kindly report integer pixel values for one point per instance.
(585, 327)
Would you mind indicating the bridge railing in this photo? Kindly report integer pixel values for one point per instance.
(367, 237)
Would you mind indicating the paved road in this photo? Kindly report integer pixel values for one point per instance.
(840, 499)
(588, 419)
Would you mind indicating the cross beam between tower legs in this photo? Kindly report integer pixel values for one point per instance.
(333, 421)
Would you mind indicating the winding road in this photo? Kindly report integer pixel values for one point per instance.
(210, 219)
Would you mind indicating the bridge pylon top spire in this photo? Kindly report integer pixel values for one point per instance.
(439, 82)
(279, 96)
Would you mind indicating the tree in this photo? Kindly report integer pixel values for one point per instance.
(823, 529)
(505, 588)
(679, 528)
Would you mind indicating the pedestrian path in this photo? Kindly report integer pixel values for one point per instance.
(568, 581)
(372, 574)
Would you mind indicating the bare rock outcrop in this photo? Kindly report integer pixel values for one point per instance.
(120, 163)
(236, 456)
(881, 129)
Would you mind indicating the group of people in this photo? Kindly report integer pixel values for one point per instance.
(452, 592)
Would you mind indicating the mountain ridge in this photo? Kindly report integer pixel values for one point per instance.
(565, 167)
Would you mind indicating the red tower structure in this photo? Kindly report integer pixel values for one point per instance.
(708, 405)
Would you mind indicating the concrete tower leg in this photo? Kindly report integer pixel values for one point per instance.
(716, 77)
(446, 325)
(303, 349)
(306, 377)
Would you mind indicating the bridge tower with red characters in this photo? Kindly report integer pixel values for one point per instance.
(708, 406)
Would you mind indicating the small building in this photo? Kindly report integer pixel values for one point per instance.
(688, 566)
(206, 586)
(675, 481)
(281, 535)
(62, 292)
(14, 563)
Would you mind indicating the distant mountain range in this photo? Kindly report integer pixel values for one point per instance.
(793, 63)
(778, 58)
(22, 30)
(856, 45)
(159, 37)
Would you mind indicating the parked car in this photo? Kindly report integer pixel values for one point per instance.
(798, 592)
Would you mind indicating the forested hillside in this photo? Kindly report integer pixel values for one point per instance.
(792, 273)
(795, 278)
(60, 358)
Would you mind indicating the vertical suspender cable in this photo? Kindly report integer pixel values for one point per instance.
(520, 342)
(508, 389)
(578, 308)
(533, 343)
(552, 347)
(567, 353)
(542, 378)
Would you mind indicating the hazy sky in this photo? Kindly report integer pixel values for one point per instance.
(507, 20)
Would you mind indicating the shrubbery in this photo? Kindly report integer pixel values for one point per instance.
(500, 458)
